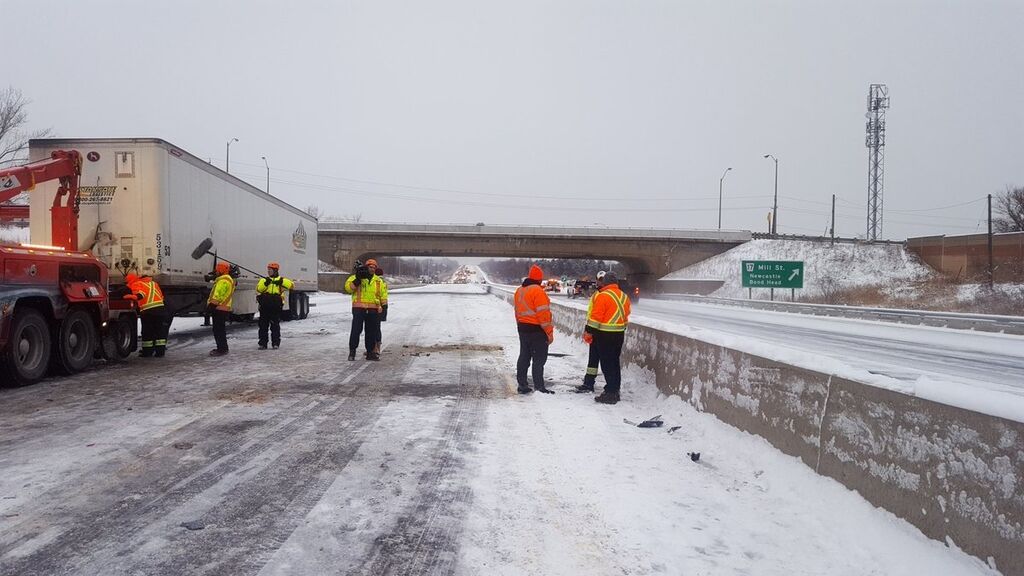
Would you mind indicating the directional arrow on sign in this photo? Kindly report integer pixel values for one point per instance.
(793, 274)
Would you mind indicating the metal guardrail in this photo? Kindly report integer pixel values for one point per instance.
(811, 238)
(541, 231)
(955, 320)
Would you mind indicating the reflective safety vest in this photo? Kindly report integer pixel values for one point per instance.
(222, 293)
(534, 307)
(276, 285)
(148, 293)
(369, 294)
(609, 310)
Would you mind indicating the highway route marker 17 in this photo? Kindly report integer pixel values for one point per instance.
(772, 274)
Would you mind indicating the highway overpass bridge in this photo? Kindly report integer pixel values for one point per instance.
(647, 253)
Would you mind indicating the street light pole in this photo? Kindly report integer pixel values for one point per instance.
(775, 203)
(720, 180)
(227, 156)
(268, 172)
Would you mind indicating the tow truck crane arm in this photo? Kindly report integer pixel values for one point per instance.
(65, 166)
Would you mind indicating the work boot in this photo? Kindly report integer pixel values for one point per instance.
(585, 388)
(373, 356)
(263, 346)
(608, 398)
(351, 355)
(276, 346)
(543, 389)
(216, 352)
(524, 389)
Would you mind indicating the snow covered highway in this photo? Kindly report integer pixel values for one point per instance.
(296, 461)
(903, 351)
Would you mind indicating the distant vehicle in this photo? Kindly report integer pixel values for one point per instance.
(552, 285)
(583, 288)
(630, 290)
(424, 279)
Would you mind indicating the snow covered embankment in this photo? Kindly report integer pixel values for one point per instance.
(951, 472)
(827, 267)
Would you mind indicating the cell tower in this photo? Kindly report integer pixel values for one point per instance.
(878, 102)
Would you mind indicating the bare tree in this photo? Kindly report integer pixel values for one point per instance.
(314, 211)
(1008, 211)
(13, 135)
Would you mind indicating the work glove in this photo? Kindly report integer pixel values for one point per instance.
(130, 297)
(384, 314)
(588, 337)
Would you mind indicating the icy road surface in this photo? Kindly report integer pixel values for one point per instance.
(296, 461)
(899, 350)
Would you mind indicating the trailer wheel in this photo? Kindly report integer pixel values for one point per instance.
(76, 341)
(121, 338)
(26, 357)
(303, 306)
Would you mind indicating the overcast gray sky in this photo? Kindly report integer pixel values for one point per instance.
(621, 113)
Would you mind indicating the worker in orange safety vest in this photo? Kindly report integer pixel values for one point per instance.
(149, 301)
(606, 329)
(536, 331)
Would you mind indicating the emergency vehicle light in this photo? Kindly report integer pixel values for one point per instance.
(41, 247)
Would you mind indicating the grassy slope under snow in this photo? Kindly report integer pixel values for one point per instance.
(827, 267)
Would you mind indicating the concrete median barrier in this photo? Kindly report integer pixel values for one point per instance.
(955, 474)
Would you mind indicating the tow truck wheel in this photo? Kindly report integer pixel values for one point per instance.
(76, 341)
(26, 357)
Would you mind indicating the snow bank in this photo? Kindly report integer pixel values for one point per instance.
(827, 267)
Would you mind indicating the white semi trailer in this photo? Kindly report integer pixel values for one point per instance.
(146, 204)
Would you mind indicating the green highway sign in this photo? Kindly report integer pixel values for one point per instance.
(772, 274)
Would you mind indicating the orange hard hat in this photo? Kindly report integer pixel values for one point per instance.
(371, 262)
(223, 267)
(131, 279)
(274, 265)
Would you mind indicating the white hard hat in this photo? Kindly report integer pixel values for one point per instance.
(600, 274)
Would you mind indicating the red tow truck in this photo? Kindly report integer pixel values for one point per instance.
(55, 310)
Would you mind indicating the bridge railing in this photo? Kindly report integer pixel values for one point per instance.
(539, 230)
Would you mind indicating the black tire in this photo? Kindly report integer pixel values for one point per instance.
(76, 341)
(26, 357)
(303, 306)
(121, 338)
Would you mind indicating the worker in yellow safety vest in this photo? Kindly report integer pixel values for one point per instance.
(367, 306)
(606, 329)
(219, 306)
(270, 296)
(148, 299)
